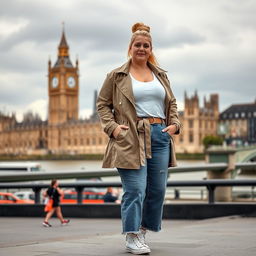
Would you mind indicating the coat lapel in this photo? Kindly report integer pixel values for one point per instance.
(124, 83)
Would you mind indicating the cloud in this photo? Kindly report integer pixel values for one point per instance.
(204, 45)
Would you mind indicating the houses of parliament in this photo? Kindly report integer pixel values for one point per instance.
(65, 133)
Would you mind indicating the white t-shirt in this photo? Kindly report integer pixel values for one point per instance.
(149, 98)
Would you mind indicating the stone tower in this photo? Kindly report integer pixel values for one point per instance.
(63, 86)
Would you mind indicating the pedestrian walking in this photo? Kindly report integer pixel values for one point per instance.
(138, 112)
(53, 195)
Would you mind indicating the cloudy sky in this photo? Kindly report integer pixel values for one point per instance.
(205, 45)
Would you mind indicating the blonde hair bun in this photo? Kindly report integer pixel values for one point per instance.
(140, 26)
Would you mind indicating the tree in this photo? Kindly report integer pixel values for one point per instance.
(210, 140)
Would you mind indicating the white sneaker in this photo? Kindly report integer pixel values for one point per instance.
(142, 237)
(134, 245)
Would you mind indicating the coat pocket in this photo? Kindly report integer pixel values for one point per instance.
(121, 135)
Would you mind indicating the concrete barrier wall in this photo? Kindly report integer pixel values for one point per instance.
(171, 211)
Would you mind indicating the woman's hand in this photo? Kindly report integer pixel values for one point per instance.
(171, 129)
(118, 130)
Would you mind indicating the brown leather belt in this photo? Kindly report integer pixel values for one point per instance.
(152, 120)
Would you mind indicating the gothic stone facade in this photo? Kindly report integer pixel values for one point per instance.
(197, 122)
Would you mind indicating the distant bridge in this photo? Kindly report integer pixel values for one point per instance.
(246, 154)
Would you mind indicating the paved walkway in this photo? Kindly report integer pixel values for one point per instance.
(229, 236)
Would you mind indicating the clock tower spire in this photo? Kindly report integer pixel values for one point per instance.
(63, 86)
(63, 46)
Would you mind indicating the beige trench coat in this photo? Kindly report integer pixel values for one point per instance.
(116, 105)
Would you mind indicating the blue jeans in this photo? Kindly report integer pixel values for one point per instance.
(144, 189)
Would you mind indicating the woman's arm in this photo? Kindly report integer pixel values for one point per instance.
(175, 125)
(173, 113)
(105, 106)
(61, 192)
(45, 194)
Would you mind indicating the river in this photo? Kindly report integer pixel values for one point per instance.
(89, 165)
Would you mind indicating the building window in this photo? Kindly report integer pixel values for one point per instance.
(191, 138)
(100, 141)
(190, 123)
(242, 114)
(93, 141)
(181, 138)
(236, 115)
(190, 111)
(88, 141)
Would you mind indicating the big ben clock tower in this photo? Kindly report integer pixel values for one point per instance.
(63, 86)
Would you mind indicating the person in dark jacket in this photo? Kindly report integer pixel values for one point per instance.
(54, 193)
(109, 197)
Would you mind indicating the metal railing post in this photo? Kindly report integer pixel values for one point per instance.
(37, 192)
(211, 197)
(79, 191)
(202, 194)
(176, 194)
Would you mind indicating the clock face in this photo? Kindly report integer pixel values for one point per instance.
(71, 82)
(55, 82)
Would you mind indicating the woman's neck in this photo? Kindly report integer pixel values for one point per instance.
(139, 65)
(141, 72)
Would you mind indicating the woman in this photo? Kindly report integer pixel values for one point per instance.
(54, 193)
(139, 114)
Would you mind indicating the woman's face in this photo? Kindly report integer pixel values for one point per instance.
(140, 49)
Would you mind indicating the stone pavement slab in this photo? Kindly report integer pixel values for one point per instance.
(229, 236)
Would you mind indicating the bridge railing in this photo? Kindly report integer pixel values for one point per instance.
(211, 185)
(22, 177)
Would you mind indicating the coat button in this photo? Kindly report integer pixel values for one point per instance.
(120, 103)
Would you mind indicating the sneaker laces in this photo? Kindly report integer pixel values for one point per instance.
(142, 236)
(135, 238)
